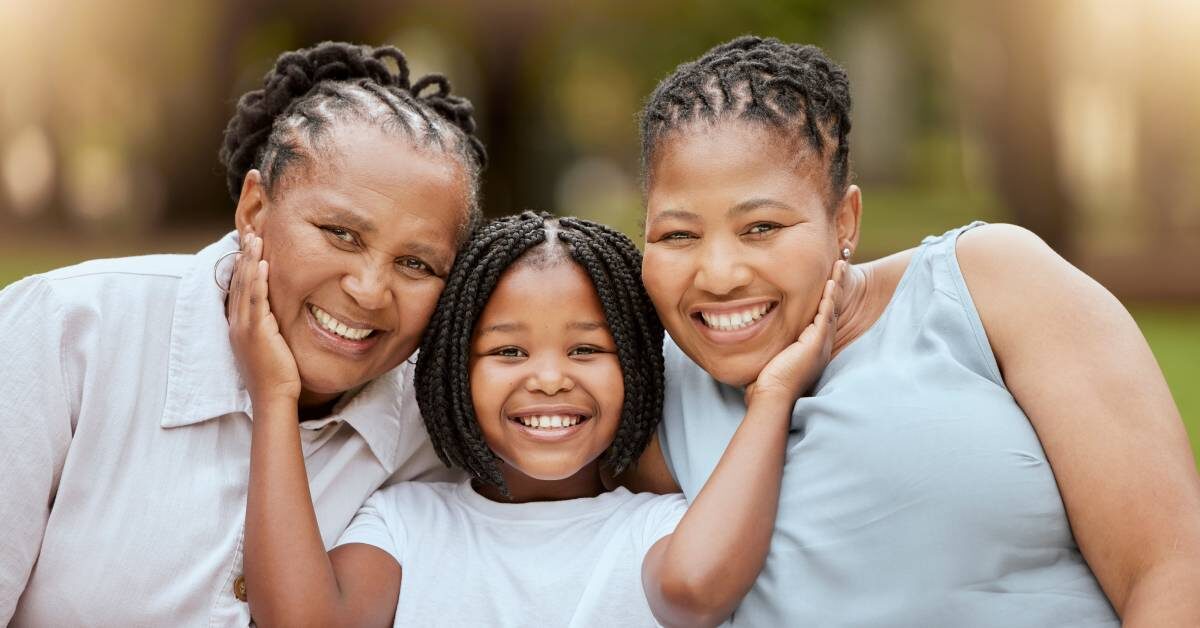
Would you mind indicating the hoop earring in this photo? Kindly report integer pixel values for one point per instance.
(217, 264)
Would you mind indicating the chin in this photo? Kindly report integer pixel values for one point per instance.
(735, 372)
(328, 386)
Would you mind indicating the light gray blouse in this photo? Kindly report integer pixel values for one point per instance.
(915, 491)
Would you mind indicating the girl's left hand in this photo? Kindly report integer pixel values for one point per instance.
(267, 364)
(794, 370)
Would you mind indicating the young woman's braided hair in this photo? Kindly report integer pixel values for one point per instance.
(310, 90)
(787, 86)
(614, 265)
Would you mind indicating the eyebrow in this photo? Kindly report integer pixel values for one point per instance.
(424, 250)
(349, 218)
(587, 325)
(756, 203)
(502, 328)
(737, 210)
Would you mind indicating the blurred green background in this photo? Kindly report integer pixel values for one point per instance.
(1079, 119)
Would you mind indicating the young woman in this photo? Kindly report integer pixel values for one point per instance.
(126, 429)
(541, 366)
(992, 443)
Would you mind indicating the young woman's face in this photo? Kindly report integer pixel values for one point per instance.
(738, 245)
(545, 379)
(358, 245)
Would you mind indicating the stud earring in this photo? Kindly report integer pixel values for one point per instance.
(846, 253)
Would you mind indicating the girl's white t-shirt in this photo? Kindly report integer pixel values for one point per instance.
(470, 561)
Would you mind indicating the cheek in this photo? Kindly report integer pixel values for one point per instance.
(609, 385)
(665, 277)
(417, 302)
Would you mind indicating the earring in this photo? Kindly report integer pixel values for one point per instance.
(846, 253)
(216, 271)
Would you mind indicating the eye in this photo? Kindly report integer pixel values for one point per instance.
(761, 228)
(414, 267)
(677, 236)
(509, 352)
(586, 351)
(340, 233)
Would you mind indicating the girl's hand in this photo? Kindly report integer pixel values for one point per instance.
(793, 371)
(266, 362)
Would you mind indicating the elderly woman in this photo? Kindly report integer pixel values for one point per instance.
(992, 443)
(126, 428)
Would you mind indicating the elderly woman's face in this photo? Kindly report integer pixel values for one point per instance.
(738, 244)
(359, 241)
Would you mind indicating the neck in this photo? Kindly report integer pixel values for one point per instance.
(523, 488)
(312, 406)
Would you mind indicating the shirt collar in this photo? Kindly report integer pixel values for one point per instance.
(202, 378)
(203, 382)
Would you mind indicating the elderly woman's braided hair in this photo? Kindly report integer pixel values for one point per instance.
(787, 86)
(614, 265)
(310, 90)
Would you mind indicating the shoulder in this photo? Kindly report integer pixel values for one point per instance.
(410, 492)
(1003, 250)
(1010, 268)
(124, 279)
(170, 266)
(1026, 293)
(652, 507)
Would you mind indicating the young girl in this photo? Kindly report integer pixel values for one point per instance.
(541, 366)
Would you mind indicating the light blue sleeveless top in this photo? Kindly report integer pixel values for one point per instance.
(915, 491)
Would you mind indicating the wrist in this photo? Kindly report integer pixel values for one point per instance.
(773, 401)
(275, 403)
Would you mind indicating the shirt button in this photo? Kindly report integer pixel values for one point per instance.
(239, 588)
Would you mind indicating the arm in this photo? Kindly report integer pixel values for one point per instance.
(290, 580)
(698, 575)
(1078, 366)
(35, 429)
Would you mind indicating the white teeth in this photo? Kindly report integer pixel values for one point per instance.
(332, 324)
(549, 421)
(736, 320)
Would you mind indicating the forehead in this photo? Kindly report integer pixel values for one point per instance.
(547, 295)
(729, 161)
(386, 181)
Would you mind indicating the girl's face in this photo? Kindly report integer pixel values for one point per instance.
(739, 243)
(545, 379)
(359, 241)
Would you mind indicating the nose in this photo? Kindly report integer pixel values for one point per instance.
(549, 377)
(368, 285)
(722, 269)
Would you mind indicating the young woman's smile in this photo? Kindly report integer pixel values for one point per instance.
(737, 248)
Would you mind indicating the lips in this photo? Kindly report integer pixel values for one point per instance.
(351, 339)
(553, 423)
(732, 323)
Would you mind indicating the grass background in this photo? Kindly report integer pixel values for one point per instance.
(1173, 331)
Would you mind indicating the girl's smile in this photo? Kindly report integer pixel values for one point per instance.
(545, 380)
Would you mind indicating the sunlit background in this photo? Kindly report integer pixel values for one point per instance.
(1079, 119)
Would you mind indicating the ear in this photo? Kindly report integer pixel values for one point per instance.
(251, 209)
(847, 218)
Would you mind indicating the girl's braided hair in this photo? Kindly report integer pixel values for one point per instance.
(614, 265)
(786, 86)
(309, 90)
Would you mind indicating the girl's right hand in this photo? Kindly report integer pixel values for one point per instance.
(793, 371)
(267, 364)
